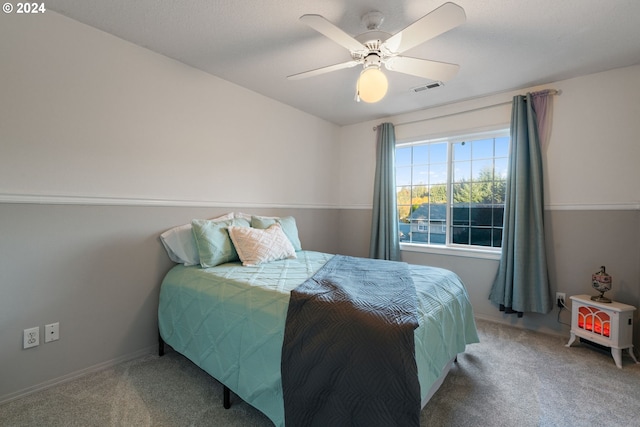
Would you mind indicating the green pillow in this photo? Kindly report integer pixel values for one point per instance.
(213, 242)
(288, 224)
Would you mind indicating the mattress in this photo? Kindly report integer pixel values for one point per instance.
(229, 320)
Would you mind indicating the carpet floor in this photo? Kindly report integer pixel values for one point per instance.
(513, 377)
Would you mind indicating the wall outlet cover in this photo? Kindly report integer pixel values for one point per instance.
(31, 337)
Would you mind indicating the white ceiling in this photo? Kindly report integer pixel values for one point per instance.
(504, 45)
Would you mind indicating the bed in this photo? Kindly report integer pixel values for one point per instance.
(229, 319)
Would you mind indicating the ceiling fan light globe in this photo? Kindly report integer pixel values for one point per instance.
(372, 85)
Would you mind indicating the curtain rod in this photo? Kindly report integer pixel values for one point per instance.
(547, 91)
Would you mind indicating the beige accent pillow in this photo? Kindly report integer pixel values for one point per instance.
(255, 246)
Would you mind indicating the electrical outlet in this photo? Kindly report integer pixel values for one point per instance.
(52, 332)
(31, 337)
(561, 298)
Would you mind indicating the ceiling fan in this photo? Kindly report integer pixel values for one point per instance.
(374, 48)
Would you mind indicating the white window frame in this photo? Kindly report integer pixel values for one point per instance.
(451, 248)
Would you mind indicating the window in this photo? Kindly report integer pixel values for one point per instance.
(450, 191)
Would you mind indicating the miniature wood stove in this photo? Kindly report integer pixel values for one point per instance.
(607, 324)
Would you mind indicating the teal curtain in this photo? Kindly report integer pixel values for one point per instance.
(385, 243)
(522, 282)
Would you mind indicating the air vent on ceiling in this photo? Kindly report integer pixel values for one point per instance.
(427, 86)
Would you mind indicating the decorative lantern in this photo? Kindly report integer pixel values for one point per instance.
(602, 283)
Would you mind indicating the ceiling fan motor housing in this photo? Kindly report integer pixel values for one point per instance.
(372, 60)
(372, 40)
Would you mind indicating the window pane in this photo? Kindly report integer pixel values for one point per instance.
(482, 193)
(438, 153)
(421, 154)
(497, 237)
(481, 215)
(403, 212)
(483, 149)
(420, 175)
(461, 151)
(419, 212)
(403, 200)
(499, 191)
(404, 194)
(481, 236)
(482, 170)
(419, 194)
(502, 147)
(438, 212)
(461, 193)
(438, 238)
(438, 173)
(403, 156)
(403, 224)
(460, 235)
(501, 168)
(460, 214)
(461, 171)
(498, 215)
(403, 175)
(438, 194)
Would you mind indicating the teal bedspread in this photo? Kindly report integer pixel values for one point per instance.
(229, 320)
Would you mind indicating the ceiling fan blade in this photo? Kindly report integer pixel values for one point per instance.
(321, 25)
(438, 21)
(323, 70)
(432, 70)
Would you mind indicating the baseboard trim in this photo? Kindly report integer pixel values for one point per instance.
(77, 374)
(509, 321)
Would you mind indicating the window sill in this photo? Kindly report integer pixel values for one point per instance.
(452, 251)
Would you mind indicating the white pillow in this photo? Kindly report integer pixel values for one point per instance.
(255, 246)
(242, 216)
(181, 245)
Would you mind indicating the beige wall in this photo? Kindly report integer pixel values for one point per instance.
(85, 114)
(590, 161)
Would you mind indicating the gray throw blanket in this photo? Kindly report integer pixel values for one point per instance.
(348, 356)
